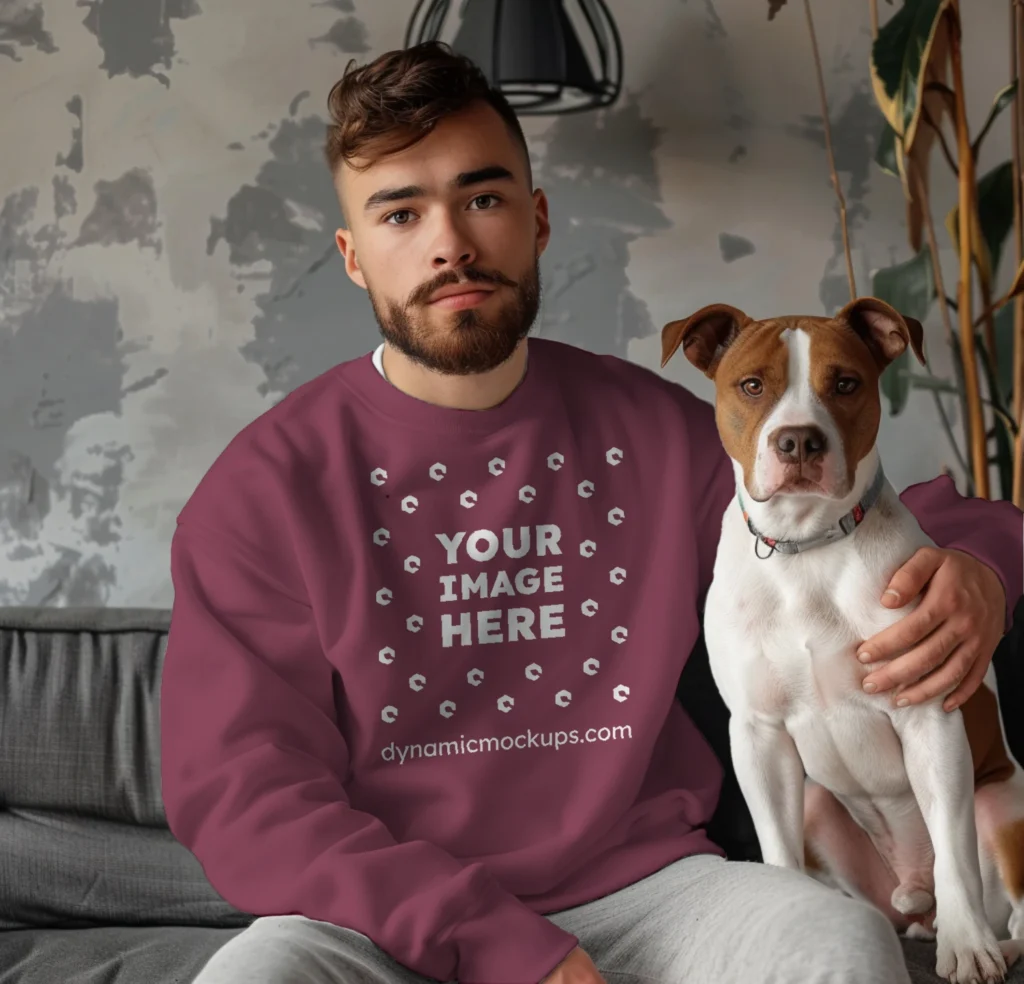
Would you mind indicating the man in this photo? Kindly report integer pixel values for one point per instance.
(431, 610)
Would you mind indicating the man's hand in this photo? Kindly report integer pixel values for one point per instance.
(948, 639)
(576, 968)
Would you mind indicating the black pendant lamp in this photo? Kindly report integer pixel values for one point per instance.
(547, 56)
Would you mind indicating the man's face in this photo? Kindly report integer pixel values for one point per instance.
(445, 236)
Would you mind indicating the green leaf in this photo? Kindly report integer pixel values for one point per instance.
(995, 219)
(995, 210)
(1003, 99)
(918, 381)
(885, 154)
(900, 58)
(910, 288)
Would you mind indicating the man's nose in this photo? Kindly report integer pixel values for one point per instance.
(453, 247)
(798, 444)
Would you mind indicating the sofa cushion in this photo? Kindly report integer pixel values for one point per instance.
(111, 955)
(79, 711)
(59, 869)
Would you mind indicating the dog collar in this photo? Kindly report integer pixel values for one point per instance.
(846, 525)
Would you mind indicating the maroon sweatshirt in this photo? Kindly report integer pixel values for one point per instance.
(421, 671)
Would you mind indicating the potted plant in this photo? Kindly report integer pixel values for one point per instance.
(918, 81)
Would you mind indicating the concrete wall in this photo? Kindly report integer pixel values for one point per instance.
(167, 268)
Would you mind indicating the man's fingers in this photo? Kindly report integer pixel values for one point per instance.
(913, 665)
(909, 581)
(944, 679)
(967, 686)
(900, 636)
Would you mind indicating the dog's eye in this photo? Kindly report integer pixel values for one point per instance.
(752, 386)
(846, 385)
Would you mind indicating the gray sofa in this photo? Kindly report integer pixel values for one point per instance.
(94, 889)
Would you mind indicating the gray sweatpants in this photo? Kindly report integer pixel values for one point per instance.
(700, 920)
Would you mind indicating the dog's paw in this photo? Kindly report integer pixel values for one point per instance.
(1012, 951)
(969, 955)
(1017, 922)
(918, 931)
(912, 901)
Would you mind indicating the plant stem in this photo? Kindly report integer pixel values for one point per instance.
(1016, 134)
(946, 152)
(831, 155)
(947, 323)
(965, 160)
(873, 6)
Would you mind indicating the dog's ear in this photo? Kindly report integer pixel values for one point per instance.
(704, 336)
(885, 331)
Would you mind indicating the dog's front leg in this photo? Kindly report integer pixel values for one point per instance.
(771, 778)
(937, 758)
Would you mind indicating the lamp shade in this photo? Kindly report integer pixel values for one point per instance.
(546, 56)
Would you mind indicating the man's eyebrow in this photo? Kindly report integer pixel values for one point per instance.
(387, 196)
(493, 172)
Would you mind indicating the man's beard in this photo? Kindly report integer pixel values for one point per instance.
(468, 343)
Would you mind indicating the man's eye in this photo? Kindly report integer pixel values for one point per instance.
(482, 198)
(402, 212)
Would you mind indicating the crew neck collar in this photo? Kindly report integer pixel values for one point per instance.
(529, 399)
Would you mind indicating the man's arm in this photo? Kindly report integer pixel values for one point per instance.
(252, 768)
(991, 531)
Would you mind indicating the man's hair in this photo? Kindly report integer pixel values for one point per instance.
(397, 99)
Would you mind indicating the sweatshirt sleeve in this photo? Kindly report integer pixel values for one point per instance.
(991, 531)
(253, 766)
(713, 484)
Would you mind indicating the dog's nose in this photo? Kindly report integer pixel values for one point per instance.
(800, 443)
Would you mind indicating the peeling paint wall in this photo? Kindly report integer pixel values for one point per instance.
(168, 271)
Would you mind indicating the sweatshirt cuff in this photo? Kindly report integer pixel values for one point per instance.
(508, 943)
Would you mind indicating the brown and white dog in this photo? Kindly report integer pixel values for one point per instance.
(918, 810)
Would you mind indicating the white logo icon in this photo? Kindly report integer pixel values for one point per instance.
(495, 466)
(381, 537)
(585, 488)
(617, 575)
(533, 672)
(414, 623)
(409, 504)
(621, 692)
(378, 476)
(384, 596)
(468, 499)
(389, 714)
(613, 456)
(527, 493)
(475, 677)
(562, 698)
(587, 548)
(437, 471)
(412, 564)
(555, 461)
(417, 681)
(589, 607)
(386, 655)
(591, 666)
(616, 516)
(505, 704)
(447, 708)
(619, 634)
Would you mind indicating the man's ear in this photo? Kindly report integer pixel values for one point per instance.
(885, 331)
(704, 336)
